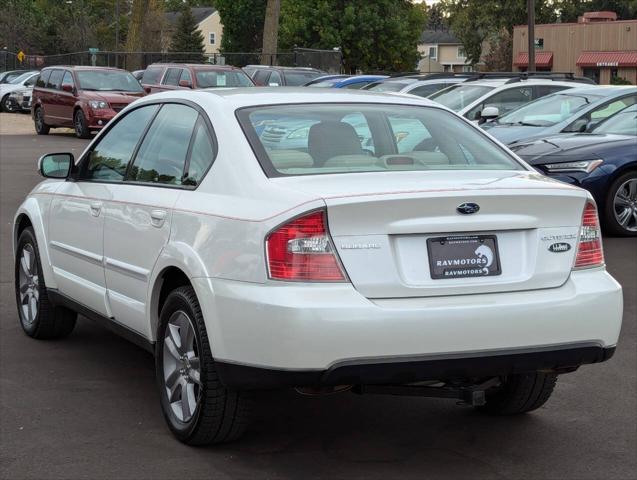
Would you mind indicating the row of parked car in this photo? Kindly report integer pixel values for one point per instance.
(565, 126)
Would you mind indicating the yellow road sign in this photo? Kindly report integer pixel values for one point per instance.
(21, 56)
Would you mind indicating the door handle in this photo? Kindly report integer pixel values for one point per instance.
(96, 208)
(157, 218)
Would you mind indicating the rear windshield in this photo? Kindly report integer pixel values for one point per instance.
(216, 78)
(296, 79)
(107, 81)
(390, 86)
(458, 97)
(313, 139)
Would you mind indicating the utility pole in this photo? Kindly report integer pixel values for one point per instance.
(530, 6)
(116, 33)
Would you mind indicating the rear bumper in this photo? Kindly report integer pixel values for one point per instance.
(558, 358)
(325, 329)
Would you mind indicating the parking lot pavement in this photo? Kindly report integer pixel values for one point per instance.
(87, 406)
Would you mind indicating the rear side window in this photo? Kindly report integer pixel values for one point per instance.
(152, 75)
(296, 79)
(109, 159)
(172, 77)
(55, 80)
(162, 155)
(43, 79)
(201, 154)
(342, 138)
(426, 90)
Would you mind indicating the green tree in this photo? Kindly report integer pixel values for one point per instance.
(187, 37)
(473, 21)
(242, 24)
(380, 35)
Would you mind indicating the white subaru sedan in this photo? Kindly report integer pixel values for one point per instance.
(323, 240)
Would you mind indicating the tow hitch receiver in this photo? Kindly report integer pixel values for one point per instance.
(473, 395)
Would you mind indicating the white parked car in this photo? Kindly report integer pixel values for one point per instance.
(446, 268)
(25, 80)
(486, 99)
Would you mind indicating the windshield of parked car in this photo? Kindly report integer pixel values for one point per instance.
(549, 110)
(20, 78)
(623, 122)
(221, 78)
(312, 139)
(108, 81)
(296, 79)
(460, 96)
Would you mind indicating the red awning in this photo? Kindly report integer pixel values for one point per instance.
(607, 59)
(542, 59)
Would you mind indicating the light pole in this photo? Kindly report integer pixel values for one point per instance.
(117, 33)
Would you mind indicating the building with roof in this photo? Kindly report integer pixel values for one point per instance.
(208, 23)
(441, 51)
(598, 46)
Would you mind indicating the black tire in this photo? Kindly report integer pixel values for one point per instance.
(80, 124)
(221, 414)
(48, 321)
(520, 393)
(41, 128)
(5, 106)
(609, 221)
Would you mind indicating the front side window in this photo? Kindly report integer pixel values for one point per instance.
(460, 96)
(31, 81)
(315, 139)
(68, 79)
(549, 110)
(186, 76)
(611, 108)
(622, 123)
(107, 80)
(172, 77)
(222, 78)
(162, 155)
(504, 101)
(109, 159)
(275, 79)
(391, 86)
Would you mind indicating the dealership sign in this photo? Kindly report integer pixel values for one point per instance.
(607, 64)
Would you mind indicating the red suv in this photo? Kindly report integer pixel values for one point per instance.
(84, 98)
(160, 77)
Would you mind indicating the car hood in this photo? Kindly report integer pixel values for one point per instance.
(10, 87)
(112, 97)
(564, 148)
(512, 133)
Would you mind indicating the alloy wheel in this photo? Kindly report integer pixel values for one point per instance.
(8, 106)
(39, 120)
(181, 366)
(78, 123)
(625, 205)
(29, 284)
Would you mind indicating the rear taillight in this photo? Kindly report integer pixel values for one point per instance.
(302, 250)
(589, 250)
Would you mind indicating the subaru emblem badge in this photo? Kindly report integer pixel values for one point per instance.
(468, 208)
(560, 247)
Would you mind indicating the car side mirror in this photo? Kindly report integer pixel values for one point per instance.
(579, 125)
(147, 89)
(185, 84)
(67, 87)
(590, 126)
(489, 113)
(55, 165)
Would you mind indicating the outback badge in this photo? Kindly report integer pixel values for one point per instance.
(468, 208)
(559, 247)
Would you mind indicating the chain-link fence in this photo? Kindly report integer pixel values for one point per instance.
(327, 60)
